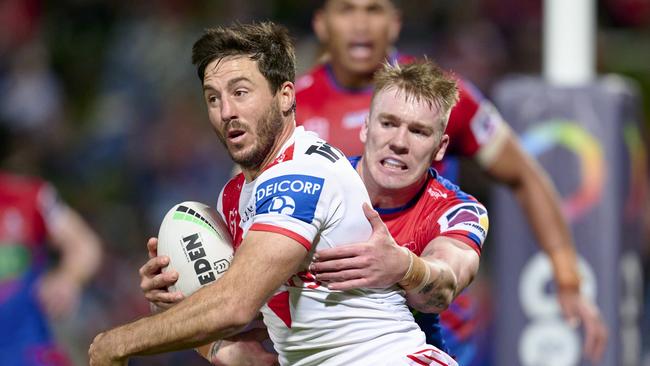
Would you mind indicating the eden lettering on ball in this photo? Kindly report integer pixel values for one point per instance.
(205, 249)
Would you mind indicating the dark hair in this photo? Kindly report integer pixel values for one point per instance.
(267, 43)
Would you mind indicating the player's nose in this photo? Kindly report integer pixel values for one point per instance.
(399, 141)
(228, 110)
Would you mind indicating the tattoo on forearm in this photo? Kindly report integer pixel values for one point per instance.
(434, 294)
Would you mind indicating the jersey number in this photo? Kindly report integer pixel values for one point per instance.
(331, 153)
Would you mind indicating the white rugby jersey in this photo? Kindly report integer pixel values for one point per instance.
(312, 194)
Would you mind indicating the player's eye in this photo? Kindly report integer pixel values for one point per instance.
(375, 9)
(240, 92)
(345, 8)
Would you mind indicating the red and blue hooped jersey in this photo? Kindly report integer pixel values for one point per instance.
(26, 207)
(475, 129)
(445, 210)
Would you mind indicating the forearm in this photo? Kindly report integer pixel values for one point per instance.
(201, 318)
(84, 267)
(430, 284)
(446, 266)
(217, 310)
(540, 202)
(79, 245)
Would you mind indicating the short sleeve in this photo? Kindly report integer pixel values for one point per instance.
(467, 222)
(295, 200)
(50, 205)
(476, 129)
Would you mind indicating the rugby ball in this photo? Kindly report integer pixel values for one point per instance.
(198, 245)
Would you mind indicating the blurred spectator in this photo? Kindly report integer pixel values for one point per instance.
(19, 22)
(29, 79)
(31, 216)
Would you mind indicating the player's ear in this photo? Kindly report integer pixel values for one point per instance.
(287, 97)
(442, 148)
(363, 133)
(320, 28)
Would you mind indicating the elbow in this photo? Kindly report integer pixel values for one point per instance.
(218, 326)
(238, 315)
(210, 320)
(243, 316)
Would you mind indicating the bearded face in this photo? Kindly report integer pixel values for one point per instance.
(262, 135)
(243, 110)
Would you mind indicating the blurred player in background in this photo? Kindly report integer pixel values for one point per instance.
(334, 98)
(247, 74)
(33, 221)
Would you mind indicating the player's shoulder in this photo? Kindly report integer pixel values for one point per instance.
(441, 193)
(311, 153)
(21, 180)
(468, 93)
(449, 204)
(308, 163)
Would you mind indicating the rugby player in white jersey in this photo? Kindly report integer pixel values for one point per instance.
(424, 213)
(296, 194)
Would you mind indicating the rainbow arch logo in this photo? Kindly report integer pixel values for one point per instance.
(573, 137)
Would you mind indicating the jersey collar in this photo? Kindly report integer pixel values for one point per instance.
(432, 174)
(393, 59)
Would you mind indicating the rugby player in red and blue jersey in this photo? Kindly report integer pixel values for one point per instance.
(442, 228)
(333, 100)
(31, 216)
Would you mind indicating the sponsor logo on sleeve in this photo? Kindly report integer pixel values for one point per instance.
(471, 218)
(485, 121)
(292, 195)
(436, 193)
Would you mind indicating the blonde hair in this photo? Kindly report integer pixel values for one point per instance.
(420, 81)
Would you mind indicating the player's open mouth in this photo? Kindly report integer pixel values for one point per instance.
(360, 50)
(393, 164)
(234, 135)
